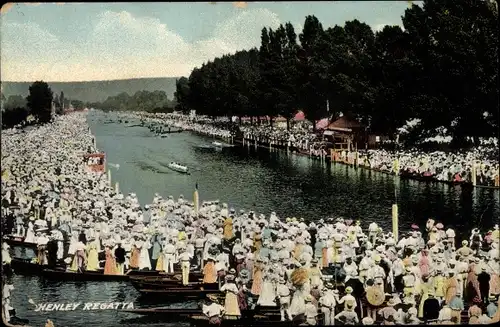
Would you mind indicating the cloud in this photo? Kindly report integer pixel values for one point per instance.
(240, 4)
(123, 46)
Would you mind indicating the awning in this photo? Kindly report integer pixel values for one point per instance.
(328, 133)
(341, 129)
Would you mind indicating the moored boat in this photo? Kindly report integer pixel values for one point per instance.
(26, 267)
(19, 241)
(178, 168)
(170, 283)
(178, 293)
(97, 276)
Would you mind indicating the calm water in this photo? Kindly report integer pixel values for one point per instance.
(259, 180)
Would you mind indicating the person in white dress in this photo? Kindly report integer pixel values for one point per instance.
(30, 234)
(144, 261)
(267, 296)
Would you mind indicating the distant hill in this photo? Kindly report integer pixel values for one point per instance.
(97, 91)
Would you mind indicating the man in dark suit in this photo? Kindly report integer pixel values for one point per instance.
(120, 258)
(484, 283)
(52, 252)
(431, 308)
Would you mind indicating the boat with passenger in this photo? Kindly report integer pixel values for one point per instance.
(178, 168)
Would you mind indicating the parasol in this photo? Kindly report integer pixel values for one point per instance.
(375, 296)
(415, 227)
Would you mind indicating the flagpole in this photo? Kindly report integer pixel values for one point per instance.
(196, 200)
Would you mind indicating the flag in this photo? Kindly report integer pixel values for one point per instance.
(196, 200)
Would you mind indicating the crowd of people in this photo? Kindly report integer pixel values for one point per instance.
(328, 271)
(438, 165)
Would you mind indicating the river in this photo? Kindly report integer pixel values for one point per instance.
(253, 179)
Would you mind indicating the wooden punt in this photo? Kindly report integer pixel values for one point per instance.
(193, 277)
(178, 292)
(19, 241)
(255, 320)
(26, 267)
(86, 276)
(166, 284)
(171, 313)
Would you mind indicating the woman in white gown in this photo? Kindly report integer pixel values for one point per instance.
(268, 294)
(72, 243)
(144, 261)
(30, 234)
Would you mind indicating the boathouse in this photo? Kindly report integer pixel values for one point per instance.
(346, 134)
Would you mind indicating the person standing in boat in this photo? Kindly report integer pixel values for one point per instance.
(232, 309)
(156, 252)
(52, 251)
(30, 234)
(80, 259)
(42, 241)
(144, 261)
(185, 261)
(169, 256)
(110, 264)
(92, 258)
(120, 259)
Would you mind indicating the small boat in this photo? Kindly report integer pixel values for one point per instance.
(19, 241)
(217, 144)
(178, 293)
(178, 168)
(169, 313)
(26, 267)
(86, 276)
(171, 283)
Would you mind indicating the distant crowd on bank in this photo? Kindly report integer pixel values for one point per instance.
(457, 167)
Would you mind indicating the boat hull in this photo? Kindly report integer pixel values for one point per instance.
(177, 293)
(17, 241)
(87, 276)
(181, 170)
(25, 267)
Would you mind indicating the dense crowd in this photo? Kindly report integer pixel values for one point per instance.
(438, 165)
(321, 272)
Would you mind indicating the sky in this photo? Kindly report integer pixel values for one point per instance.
(105, 41)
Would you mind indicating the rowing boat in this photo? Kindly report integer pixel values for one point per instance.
(173, 313)
(26, 267)
(86, 276)
(154, 275)
(19, 241)
(178, 292)
(171, 283)
(178, 168)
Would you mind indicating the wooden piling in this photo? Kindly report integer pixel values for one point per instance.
(395, 227)
(474, 176)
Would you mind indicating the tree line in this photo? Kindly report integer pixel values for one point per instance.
(16, 109)
(441, 68)
(156, 101)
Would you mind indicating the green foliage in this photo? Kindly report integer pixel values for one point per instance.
(40, 101)
(442, 68)
(14, 116)
(14, 101)
(140, 101)
(97, 91)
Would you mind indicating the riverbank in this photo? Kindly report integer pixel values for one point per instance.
(125, 217)
(467, 169)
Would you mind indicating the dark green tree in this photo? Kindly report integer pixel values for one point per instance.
(313, 69)
(181, 94)
(40, 101)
